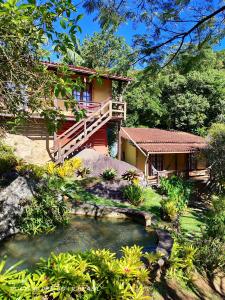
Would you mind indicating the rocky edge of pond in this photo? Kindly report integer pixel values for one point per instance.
(13, 200)
(15, 197)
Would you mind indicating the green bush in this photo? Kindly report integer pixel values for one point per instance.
(35, 171)
(95, 274)
(181, 261)
(215, 221)
(47, 209)
(133, 193)
(178, 193)
(210, 256)
(109, 174)
(8, 160)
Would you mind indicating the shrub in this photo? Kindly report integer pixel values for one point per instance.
(35, 171)
(134, 194)
(178, 193)
(169, 209)
(8, 160)
(131, 175)
(46, 211)
(67, 169)
(181, 261)
(95, 274)
(109, 174)
(215, 221)
(210, 256)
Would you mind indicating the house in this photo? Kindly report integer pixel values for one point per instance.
(160, 152)
(96, 99)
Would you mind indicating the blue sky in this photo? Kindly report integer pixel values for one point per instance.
(89, 26)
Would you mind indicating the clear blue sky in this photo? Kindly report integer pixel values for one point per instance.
(89, 26)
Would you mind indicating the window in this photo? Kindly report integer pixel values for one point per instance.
(156, 162)
(192, 161)
(84, 94)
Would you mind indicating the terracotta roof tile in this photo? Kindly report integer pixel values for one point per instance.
(155, 140)
(84, 70)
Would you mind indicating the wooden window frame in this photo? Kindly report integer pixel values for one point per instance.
(81, 95)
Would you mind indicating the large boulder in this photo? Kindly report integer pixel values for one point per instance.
(98, 162)
(13, 199)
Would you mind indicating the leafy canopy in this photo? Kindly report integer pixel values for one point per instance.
(31, 32)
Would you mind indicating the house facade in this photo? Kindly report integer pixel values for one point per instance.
(100, 109)
(161, 152)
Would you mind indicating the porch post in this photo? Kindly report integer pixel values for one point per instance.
(119, 145)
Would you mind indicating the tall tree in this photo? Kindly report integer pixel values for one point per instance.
(104, 51)
(189, 95)
(29, 30)
(170, 26)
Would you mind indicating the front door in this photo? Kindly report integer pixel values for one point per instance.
(156, 163)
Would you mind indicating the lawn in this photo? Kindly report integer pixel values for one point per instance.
(191, 221)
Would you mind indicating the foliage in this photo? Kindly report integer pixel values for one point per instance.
(35, 171)
(133, 193)
(104, 51)
(215, 156)
(32, 32)
(109, 174)
(178, 193)
(168, 28)
(181, 261)
(96, 274)
(210, 255)
(46, 210)
(8, 160)
(182, 97)
(83, 172)
(130, 175)
(67, 169)
(215, 221)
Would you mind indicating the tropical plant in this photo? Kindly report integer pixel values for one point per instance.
(47, 209)
(131, 175)
(67, 169)
(181, 261)
(109, 174)
(95, 274)
(177, 195)
(133, 193)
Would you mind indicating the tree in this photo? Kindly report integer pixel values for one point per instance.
(216, 156)
(28, 31)
(170, 27)
(188, 95)
(105, 51)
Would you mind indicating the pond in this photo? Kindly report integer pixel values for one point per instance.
(82, 234)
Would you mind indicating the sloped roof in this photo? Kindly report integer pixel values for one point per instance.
(84, 70)
(155, 140)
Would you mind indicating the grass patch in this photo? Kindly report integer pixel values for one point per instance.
(191, 222)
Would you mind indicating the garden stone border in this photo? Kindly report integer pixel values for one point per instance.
(165, 241)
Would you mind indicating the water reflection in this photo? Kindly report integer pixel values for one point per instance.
(83, 233)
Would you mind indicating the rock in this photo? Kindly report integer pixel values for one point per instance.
(100, 211)
(13, 199)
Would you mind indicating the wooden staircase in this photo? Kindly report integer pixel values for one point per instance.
(66, 144)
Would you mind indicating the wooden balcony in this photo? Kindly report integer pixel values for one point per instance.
(118, 107)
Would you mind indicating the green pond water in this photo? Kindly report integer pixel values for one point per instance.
(82, 234)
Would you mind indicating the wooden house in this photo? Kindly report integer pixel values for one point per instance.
(162, 152)
(96, 99)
